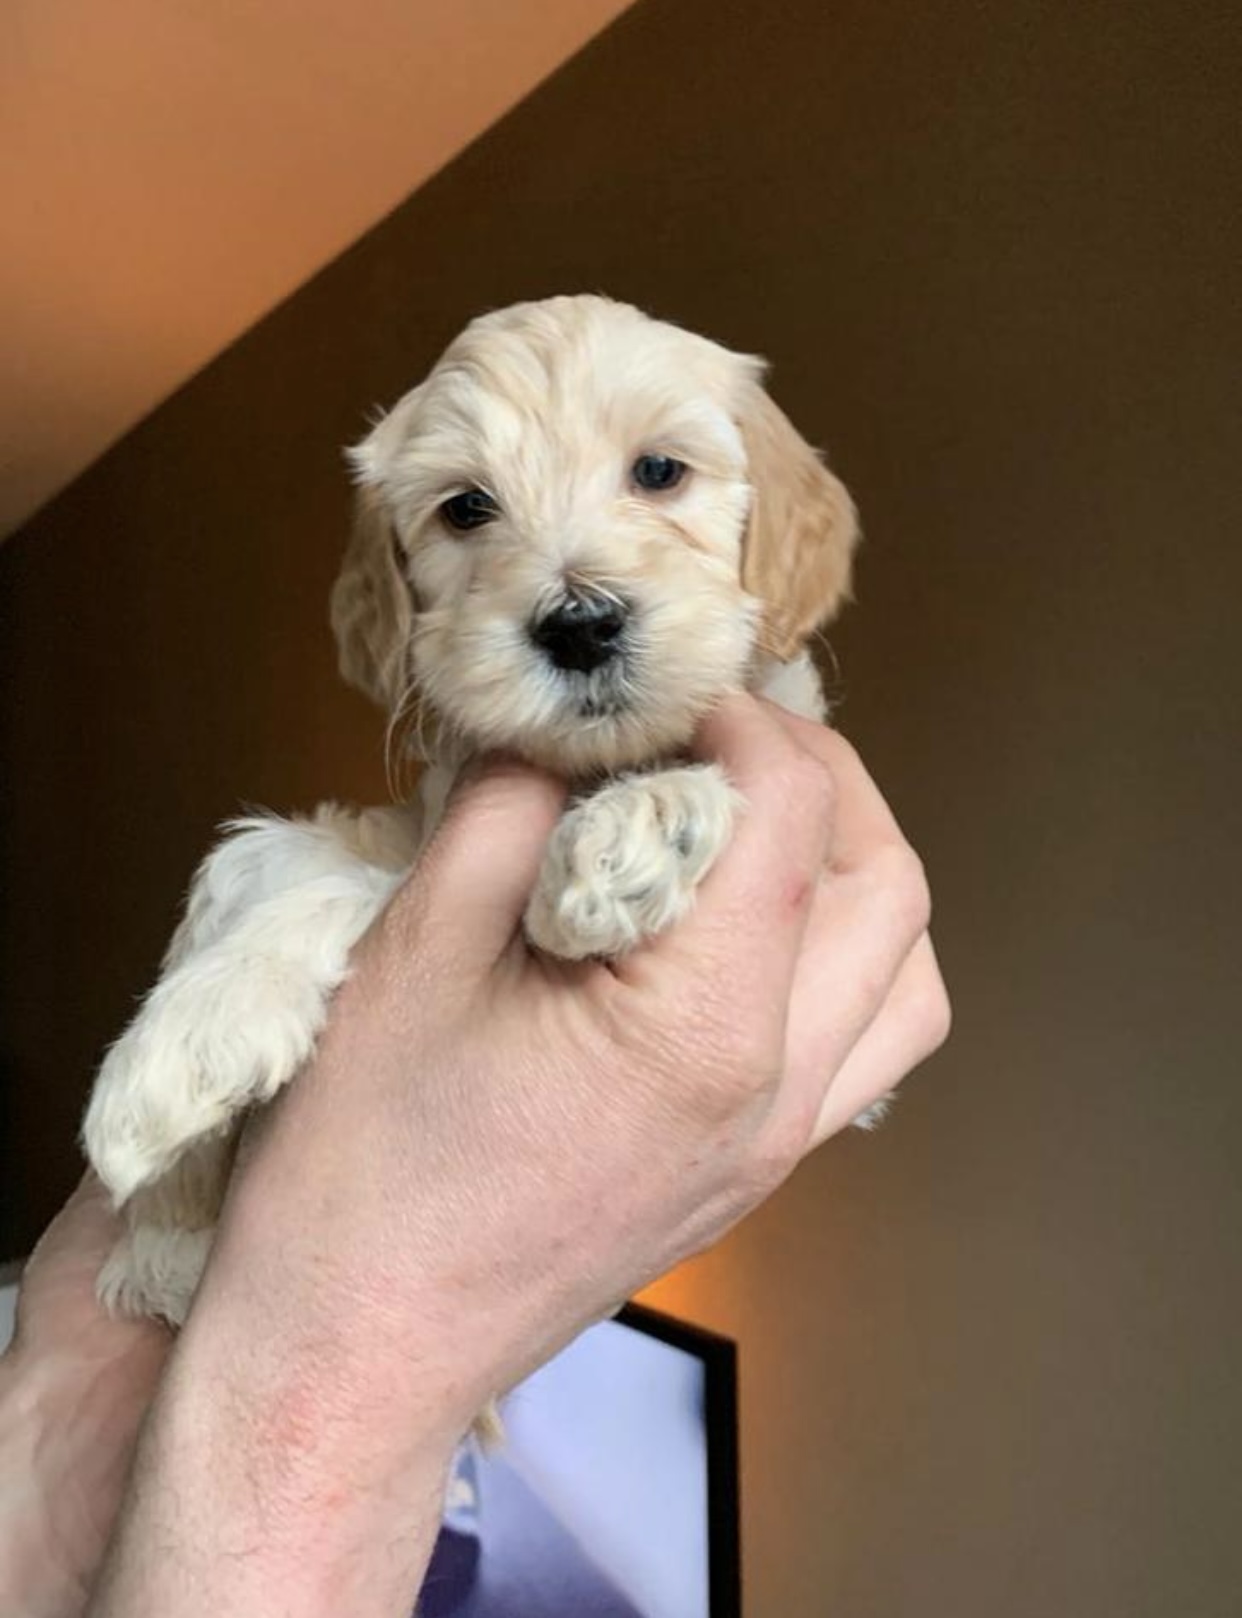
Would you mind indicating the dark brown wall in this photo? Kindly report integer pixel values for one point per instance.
(990, 1358)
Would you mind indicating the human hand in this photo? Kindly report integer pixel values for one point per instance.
(491, 1149)
(540, 1139)
(74, 1386)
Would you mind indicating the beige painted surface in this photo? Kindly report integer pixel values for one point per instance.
(171, 170)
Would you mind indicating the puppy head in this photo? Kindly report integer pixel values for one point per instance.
(579, 532)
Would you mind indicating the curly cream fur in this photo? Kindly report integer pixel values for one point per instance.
(546, 406)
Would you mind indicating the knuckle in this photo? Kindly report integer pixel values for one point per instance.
(933, 1013)
(841, 751)
(736, 1063)
(806, 783)
(751, 1069)
(817, 780)
(900, 875)
(776, 1153)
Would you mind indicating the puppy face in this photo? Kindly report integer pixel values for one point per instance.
(579, 532)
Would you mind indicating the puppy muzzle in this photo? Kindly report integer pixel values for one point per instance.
(582, 631)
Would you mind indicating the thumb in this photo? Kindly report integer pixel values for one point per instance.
(480, 867)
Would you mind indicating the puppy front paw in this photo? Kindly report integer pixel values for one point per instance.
(221, 1033)
(623, 864)
(154, 1270)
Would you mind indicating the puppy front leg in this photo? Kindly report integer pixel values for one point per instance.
(231, 1022)
(158, 1260)
(623, 864)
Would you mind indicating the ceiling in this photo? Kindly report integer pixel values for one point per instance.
(174, 169)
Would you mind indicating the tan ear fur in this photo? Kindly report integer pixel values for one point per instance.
(802, 529)
(372, 613)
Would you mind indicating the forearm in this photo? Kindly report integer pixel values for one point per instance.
(280, 1473)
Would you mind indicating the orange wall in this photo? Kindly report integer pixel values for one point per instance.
(171, 171)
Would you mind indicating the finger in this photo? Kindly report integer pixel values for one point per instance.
(478, 871)
(871, 909)
(912, 1023)
(87, 1225)
(863, 925)
(864, 821)
(745, 931)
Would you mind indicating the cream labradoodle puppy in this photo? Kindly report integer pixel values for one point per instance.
(580, 531)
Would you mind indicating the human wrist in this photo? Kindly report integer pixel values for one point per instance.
(270, 1472)
(291, 1302)
(65, 1444)
(32, 1573)
(316, 1388)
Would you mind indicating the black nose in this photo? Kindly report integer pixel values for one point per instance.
(581, 632)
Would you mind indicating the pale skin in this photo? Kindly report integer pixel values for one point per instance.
(489, 1151)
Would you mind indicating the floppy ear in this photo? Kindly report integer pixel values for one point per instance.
(372, 613)
(372, 608)
(801, 532)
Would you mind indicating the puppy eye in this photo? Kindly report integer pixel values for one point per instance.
(658, 472)
(470, 509)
